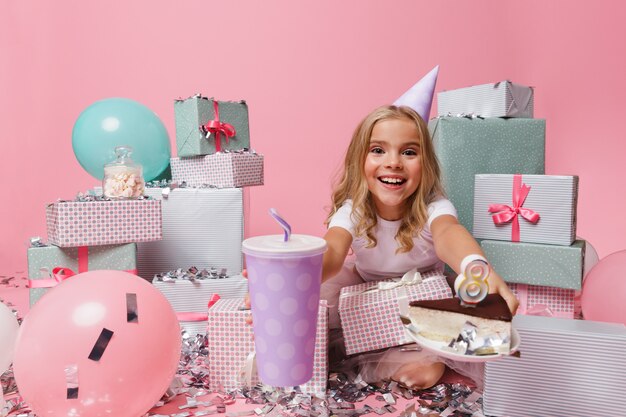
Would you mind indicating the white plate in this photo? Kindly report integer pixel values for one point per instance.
(437, 347)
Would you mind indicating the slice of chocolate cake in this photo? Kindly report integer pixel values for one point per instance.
(443, 320)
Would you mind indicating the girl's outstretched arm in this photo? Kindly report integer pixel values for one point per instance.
(453, 243)
(339, 241)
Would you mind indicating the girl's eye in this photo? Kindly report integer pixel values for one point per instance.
(377, 150)
(410, 152)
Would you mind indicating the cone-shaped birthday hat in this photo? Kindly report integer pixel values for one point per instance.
(420, 96)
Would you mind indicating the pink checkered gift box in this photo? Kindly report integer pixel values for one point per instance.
(370, 315)
(230, 344)
(91, 223)
(221, 170)
(544, 301)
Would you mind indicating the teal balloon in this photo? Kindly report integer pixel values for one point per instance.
(113, 122)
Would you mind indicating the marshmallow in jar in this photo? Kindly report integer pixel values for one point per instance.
(123, 178)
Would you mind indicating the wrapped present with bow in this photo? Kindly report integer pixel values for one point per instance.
(231, 355)
(526, 208)
(205, 126)
(48, 265)
(501, 99)
(536, 263)
(466, 146)
(219, 170)
(370, 312)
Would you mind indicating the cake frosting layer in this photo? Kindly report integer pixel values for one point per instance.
(492, 307)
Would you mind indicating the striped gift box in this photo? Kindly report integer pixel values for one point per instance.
(221, 170)
(92, 223)
(231, 342)
(370, 317)
(502, 99)
(547, 214)
(573, 368)
(202, 227)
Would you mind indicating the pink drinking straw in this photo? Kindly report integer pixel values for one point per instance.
(282, 223)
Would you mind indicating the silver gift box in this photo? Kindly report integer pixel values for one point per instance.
(566, 368)
(202, 227)
(553, 197)
(501, 99)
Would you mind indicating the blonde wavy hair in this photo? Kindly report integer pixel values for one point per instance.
(352, 184)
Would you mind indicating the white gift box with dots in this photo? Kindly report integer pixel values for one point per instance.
(370, 318)
(231, 342)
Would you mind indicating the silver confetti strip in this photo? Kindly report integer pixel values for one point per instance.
(71, 381)
(101, 344)
(192, 274)
(132, 314)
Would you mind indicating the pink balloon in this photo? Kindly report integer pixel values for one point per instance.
(604, 290)
(60, 331)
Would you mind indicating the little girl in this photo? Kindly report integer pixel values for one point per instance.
(389, 208)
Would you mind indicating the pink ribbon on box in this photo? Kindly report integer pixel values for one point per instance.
(187, 316)
(505, 214)
(217, 127)
(60, 274)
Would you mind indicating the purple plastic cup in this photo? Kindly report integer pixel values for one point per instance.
(284, 281)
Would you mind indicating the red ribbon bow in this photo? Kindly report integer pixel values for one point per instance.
(216, 127)
(505, 214)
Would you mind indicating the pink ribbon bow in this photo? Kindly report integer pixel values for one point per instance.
(216, 127)
(505, 214)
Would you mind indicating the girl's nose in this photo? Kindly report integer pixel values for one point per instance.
(393, 160)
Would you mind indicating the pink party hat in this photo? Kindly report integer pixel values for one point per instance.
(420, 96)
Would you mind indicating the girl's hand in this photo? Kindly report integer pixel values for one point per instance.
(497, 285)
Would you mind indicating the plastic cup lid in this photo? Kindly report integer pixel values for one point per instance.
(274, 245)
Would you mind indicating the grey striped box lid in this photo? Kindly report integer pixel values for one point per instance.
(553, 197)
(501, 99)
(566, 368)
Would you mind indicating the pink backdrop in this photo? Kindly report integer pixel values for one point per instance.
(309, 71)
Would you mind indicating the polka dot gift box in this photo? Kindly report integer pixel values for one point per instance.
(231, 342)
(91, 223)
(370, 315)
(220, 170)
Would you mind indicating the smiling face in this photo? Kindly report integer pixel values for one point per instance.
(393, 165)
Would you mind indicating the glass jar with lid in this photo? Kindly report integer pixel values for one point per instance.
(123, 178)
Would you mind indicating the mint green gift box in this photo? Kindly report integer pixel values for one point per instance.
(194, 112)
(536, 263)
(466, 147)
(43, 259)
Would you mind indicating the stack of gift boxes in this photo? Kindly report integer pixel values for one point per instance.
(89, 234)
(203, 211)
(491, 151)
